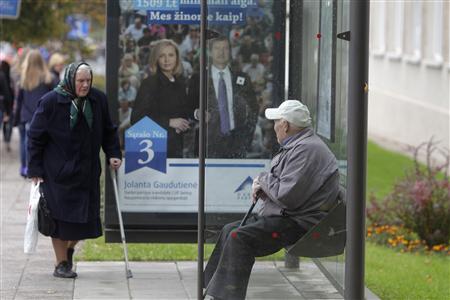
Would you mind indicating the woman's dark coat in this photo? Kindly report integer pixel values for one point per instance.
(69, 186)
(161, 100)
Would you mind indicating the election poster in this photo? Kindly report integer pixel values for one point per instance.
(158, 98)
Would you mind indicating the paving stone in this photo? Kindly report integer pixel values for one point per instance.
(159, 294)
(100, 290)
(7, 294)
(274, 291)
(27, 294)
(321, 295)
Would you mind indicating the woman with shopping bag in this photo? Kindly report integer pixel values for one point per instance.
(69, 127)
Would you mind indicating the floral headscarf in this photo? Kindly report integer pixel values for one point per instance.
(66, 87)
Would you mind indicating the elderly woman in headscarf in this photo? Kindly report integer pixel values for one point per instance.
(70, 125)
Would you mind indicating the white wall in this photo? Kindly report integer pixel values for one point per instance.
(409, 94)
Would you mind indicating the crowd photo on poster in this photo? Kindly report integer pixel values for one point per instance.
(159, 76)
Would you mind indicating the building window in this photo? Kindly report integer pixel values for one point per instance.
(447, 35)
(378, 28)
(413, 34)
(395, 21)
(433, 33)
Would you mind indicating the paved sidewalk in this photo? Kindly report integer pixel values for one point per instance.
(177, 280)
(30, 276)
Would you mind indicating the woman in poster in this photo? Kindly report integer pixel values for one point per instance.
(162, 96)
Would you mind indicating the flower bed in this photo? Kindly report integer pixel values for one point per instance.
(402, 239)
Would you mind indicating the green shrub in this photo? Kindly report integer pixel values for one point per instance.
(420, 201)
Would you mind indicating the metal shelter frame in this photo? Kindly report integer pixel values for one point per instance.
(356, 139)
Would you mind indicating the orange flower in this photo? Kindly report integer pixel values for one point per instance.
(438, 247)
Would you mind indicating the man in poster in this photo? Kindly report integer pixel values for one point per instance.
(232, 108)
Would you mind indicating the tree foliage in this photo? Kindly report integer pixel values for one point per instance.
(43, 20)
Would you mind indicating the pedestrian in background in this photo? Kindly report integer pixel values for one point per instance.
(71, 124)
(56, 65)
(7, 99)
(35, 81)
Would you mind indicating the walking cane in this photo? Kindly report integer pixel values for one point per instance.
(249, 212)
(122, 231)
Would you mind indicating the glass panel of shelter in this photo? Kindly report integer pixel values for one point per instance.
(246, 69)
(248, 54)
(313, 33)
(335, 265)
(257, 47)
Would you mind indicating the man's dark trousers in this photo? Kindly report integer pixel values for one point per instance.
(228, 270)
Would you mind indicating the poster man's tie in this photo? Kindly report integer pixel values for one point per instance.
(223, 105)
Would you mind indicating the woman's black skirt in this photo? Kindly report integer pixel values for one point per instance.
(67, 231)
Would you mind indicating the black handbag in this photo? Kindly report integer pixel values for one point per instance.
(46, 224)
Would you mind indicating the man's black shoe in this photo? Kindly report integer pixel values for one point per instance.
(70, 252)
(62, 270)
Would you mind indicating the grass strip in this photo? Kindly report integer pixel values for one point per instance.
(397, 276)
(98, 250)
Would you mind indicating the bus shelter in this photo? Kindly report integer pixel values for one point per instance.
(182, 183)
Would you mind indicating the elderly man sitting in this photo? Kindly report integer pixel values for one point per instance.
(302, 177)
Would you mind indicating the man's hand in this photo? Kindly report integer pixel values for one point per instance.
(35, 180)
(179, 124)
(256, 190)
(115, 163)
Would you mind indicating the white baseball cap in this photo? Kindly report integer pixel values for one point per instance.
(292, 111)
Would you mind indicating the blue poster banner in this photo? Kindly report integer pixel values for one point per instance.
(191, 15)
(220, 12)
(146, 146)
(9, 9)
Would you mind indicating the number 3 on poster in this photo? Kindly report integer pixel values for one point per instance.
(148, 150)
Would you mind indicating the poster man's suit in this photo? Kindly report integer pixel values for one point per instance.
(232, 110)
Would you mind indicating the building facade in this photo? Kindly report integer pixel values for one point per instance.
(409, 73)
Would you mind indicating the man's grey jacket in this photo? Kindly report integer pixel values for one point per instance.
(303, 181)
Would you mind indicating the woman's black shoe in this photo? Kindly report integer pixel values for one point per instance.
(62, 270)
(70, 252)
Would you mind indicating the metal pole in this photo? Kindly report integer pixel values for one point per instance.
(112, 56)
(294, 77)
(295, 49)
(112, 88)
(202, 152)
(357, 149)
